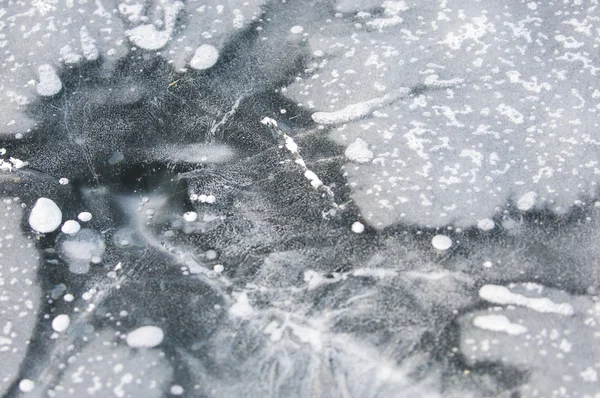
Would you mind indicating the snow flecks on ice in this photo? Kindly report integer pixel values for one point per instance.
(527, 201)
(533, 333)
(145, 337)
(148, 37)
(49, 84)
(88, 45)
(486, 119)
(45, 217)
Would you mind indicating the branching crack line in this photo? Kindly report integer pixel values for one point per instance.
(314, 179)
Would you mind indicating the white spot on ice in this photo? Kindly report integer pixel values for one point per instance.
(441, 242)
(359, 151)
(88, 45)
(45, 216)
(241, 308)
(61, 323)
(502, 295)
(204, 57)
(297, 29)
(145, 337)
(358, 227)
(190, 216)
(358, 110)
(26, 385)
(70, 227)
(486, 224)
(527, 201)
(148, 37)
(50, 83)
(498, 323)
(84, 216)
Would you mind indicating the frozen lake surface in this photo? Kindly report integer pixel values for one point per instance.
(316, 198)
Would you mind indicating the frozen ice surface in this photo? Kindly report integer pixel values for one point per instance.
(332, 198)
(504, 106)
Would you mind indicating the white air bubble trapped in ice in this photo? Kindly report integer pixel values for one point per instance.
(190, 216)
(358, 227)
(26, 385)
(204, 57)
(61, 323)
(84, 216)
(441, 242)
(45, 216)
(145, 337)
(70, 227)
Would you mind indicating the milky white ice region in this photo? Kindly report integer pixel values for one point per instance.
(145, 337)
(70, 227)
(84, 216)
(176, 389)
(45, 217)
(106, 367)
(61, 323)
(502, 295)
(241, 308)
(441, 242)
(26, 385)
(21, 294)
(504, 109)
(81, 249)
(205, 57)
